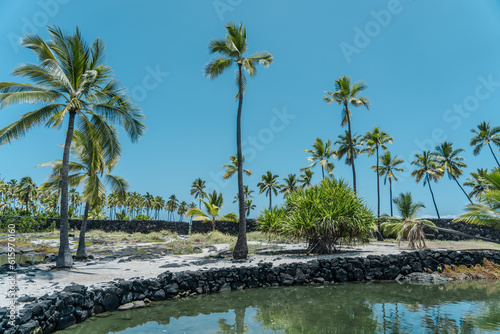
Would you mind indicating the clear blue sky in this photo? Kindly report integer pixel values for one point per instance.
(432, 70)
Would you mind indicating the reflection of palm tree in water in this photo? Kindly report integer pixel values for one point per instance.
(239, 326)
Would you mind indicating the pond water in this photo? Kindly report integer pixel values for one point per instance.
(457, 307)
(21, 258)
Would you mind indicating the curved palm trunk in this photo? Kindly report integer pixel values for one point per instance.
(462, 190)
(81, 252)
(64, 258)
(351, 150)
(390, 193)
(241, 247)
(491, 150)
(433, 200)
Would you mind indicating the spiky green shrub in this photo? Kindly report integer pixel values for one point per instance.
(324, 215)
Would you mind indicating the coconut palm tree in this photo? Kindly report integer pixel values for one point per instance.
(485, 135)
(306, 178)
(320, 155)
(451, 162)
(181, 211)
(159, 203)
(247, 194)
(290, 185)
(375, 140)
(232, 50)
(90, 166)
(408, 227)
(232, 167)
(172, 205)
(344, 147)
(476, 181)
(198, 189)
(388, 169)
(345, 95)
(269, 186)
(487, 210)
(429, 170)
(27, 191)
(72, 80)
(148, 202)
(249, 206)
(213, 207)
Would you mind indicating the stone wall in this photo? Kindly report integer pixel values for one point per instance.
(77, 303)
(472, 229)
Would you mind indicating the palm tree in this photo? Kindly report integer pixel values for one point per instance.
(346, 95)
(72, 80)
(487, 210)
(408, 227)
(92, 163)
(213, 207)
(451, 162)
(148, 202)
(388, 168)
(375, 140)
(290, 185)
(427, 168)
(198, 189)
(181, 211)
(232, 49)
(485, 135)
(344, 149)
(249, 206)
(26, 192)
(158, 204)
(247, 194)
(269, 186)
(306, 178)
(172, 205)
(476, 181)
(232, 167)
(320, 153)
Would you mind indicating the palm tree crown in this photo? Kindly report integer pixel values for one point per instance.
(320, 154)
(451, 162)
(485, 135)
(232, 167)
(428, 169)
(388, 169)
(198, 189)
(290, 185)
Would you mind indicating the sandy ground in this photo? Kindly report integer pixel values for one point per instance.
(44, 279)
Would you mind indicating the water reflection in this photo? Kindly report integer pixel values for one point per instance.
(459, 307)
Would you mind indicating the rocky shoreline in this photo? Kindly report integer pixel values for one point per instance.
(78, 302)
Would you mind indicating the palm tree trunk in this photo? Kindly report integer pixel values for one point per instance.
(81, 252)
(199, 205)
(463, 190)
(64, 258)
(270, 200)
(380, 236)
(390, 193)
(323, 171)
(351, 150)
(493, 155)
(433, 200)
(241, 247)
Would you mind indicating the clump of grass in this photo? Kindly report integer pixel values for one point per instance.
(488, 270)
(46, 249)
(88, 243)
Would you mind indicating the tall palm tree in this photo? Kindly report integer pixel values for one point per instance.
(344, 148)
(485, 135)
(148, 202)
(91, 164)
(158, 204)
(232, 50)
(388, 169)
(72, 80)
(428, 169)
(181, 211)
(26, 192)
(476, 181)
(269, 185)
(213, 207)
(306, 178)
(232, 167)
(198, 189)
(345, 95)
(451, 162)
(320, 154)
(290, 185)
(172, 205)
(375, 140)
